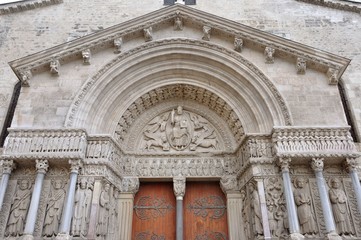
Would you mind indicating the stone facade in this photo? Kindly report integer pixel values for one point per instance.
(179, 94)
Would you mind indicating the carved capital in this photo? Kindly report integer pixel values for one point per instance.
(86, 55)
(7, 166)
(118, 42)
(229, 184)
(25, 78)
(130, 185)
(75, 166)
(284, 164)
(206, 33)
(238, 44)
(317, 164)
(269, 54)
(350, 164)
(42, 166)
(179, 187)
(54, 66)
(301, 66)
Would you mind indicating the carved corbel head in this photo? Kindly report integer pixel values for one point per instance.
(269, 54)
(332, 75)
(118, 42)
(206, 33)
(86, 54)
(238, 44)
(25, 77)
(54, 66)
(148, 34)
(301, 66)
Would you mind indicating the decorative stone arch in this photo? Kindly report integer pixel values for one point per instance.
(105, 98)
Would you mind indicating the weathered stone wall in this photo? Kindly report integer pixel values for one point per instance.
(34, 30)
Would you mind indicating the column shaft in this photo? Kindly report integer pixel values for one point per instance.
(357, 187)
(290, 202)
(325, 202)
(69, 205)
(179, 219)
(34, 204)
(3, 185)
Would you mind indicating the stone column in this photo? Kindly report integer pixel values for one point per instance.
(351, 165)
(130, 186)
(229, 186)
(179, 187)
(317, 166)
(294, 225)
(8, 166)
(42, 167)
(64, 228)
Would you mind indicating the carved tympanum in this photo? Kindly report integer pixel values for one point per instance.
(179, 130)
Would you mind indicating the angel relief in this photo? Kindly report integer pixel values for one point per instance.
(179, 130)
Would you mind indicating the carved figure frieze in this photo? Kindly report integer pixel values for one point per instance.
(54, 66)
(82, 206)
(19, 209)
(301, 65)
(86, 55)
(148, 34)
(304, 207)
(269, 54)
(185, 167)
(54, 208)
(340, 209)
(206, 33)
(178, 23)
(118, 42)
(103, 212)
(238, 44)
(180, 130)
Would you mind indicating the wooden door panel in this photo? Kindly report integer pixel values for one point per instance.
(154, 212)
(205, 213)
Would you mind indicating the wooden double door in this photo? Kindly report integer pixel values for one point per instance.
(204, 212)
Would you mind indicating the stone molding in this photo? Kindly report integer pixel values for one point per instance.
(336, 4)
(26, 5)
(313, 142)
(45, 143)
(192, 17)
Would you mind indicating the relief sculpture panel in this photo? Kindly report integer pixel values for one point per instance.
(180, 130)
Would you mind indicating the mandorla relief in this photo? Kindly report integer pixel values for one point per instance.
(180, 130)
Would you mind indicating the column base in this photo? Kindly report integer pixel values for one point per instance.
(27, 237)
(63, 236)
(296, 236)
(333, 236)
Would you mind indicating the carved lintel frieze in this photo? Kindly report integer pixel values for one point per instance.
(332, 75)
(206, 33)
(7, 166)
(54, 67)
(178, 23)
(86, 55)
(229, 184)
(130, 185)
(301, 65)
(238, 44)
(284, 164)
(42, 166)
(75, 165)
(148, 34)
(269, 54)
(350, 164)
(317, 164)
(118, 42)
(179, 187)
(25, 78)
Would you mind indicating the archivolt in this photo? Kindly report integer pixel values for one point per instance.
(238, 85)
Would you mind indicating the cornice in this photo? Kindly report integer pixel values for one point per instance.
(26, 5)
(336, 4)
(326, 62)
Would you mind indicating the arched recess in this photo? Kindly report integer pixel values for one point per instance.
(106, 97)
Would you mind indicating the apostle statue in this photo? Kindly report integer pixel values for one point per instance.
(256, 212)
(103, 214)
